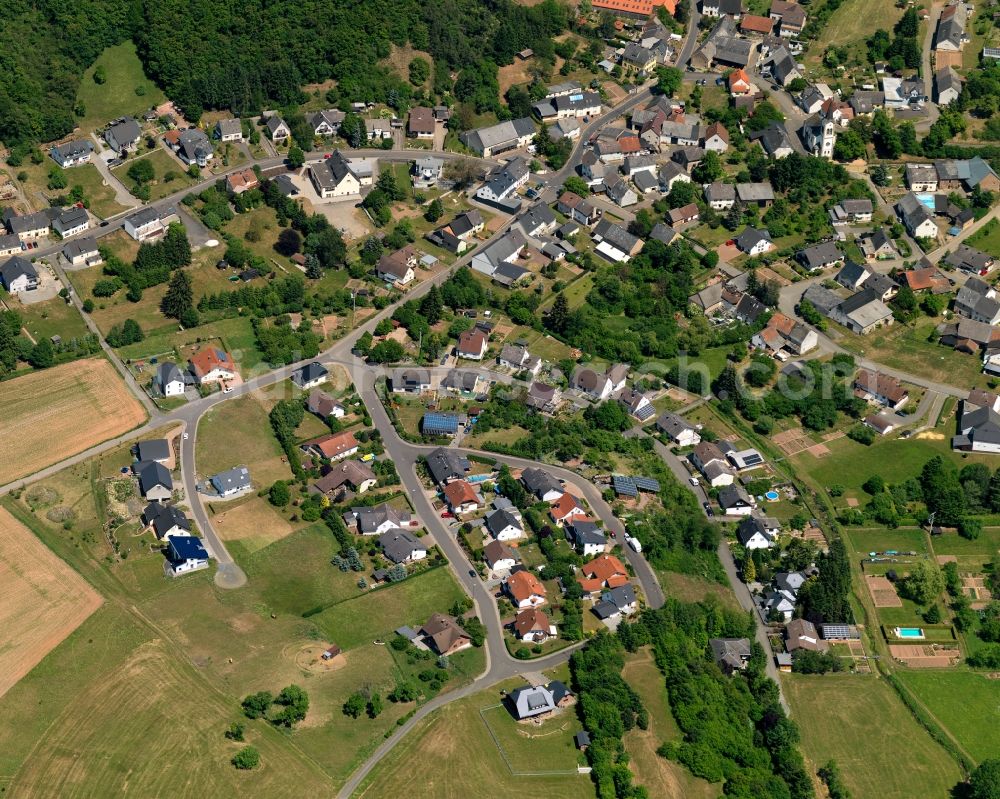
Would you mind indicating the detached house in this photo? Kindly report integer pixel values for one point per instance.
(708, 459)
(525, 590)
(503, 525)
(677, 430)
(603, 572)
(310, 375)
(472, 344)
(325, 123)
(400, 546)
(333, 177)
(334, 447)
(541, 484)
(917, 218)
(168, 380)
(186, 554)
(72, 153)
(880, 388)
(212, 365)
(123, 135)
(278, 129)
(398, 267)
(155, 482)
(756, 532)
(18, 275)
(232, 481)
(229, 130)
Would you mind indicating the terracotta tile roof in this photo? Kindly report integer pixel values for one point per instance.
(459, 492)
(530, 620)
(204, 361)
(751, 22)
(565, 507)
(337, 444)
(604, 571)
(524, 585)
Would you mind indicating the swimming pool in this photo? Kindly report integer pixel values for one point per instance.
(772, 496)
(926, 199)
(909, 632)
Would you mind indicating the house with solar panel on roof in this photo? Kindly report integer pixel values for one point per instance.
(441, 424)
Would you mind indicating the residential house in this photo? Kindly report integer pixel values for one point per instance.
(603, 572)
(517, 357)
(730, 654)
(616, 602)
(708, 459)
(677, 430)
(501, 138)
(333, 177)
(917, 218)
(866, 102)
(27, 226)
(853, 276)
(577, 209)
(193, 147)
(232, 481)
(757, 532)
(324, 406)
(637, 404)
(862, 313)
(925, 278)
(401, 546)
(883, 286)
(503, 525)
(325, 123)
(716, 138)
(123, 135)
(565, 129)
(754, 26)
(278, 129)
(802, 634)
(334, 447)
(525, 590)
(166, 520)
(951, 36)
(10, 244)
(185, 553)
(735, 501)
(533, 625)
(783, 333)
(229, 130)
(18, 275)
(378, 519)
(619, 192)
(579, 104)
(791, 17)
(145, 224)
(537, 221)
(685, 215)
(600, 385)
(541, 700)
(880, 388)
(241, 181)
(543, 397)
(499, 557)
(754, 242)
(614, 242)
(426, 172)
(443, 633)
(820, 256)
(969, 259)
(462, 497)
(157, 449)
(398, 267)
(921, 177)
(542, 484)
(722, 8)
(947, 85)
(410, 381)
(356, 476)
(168, 380)
(664, 234)
(783, 67)
(739, 82)
(977, 300)
(455, 236)
(446, 465)
(464, 381)
(587, 537)
(496, 261)
(774, 140)
(72, 153)
(670, 174)
(501, 186)
(310, 375)
(472, 344)
(155, 482)
(903, 94)
(421, 124)
(212, 365)
(720, 196)
(877, 245)
(851, 212)
(566, 510)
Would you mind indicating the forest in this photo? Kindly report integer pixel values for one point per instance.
(245, 55)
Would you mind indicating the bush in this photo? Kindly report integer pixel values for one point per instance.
(247, 758)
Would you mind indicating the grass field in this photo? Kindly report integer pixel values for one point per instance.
(52, 414)
(987, 238)
(964, 702)
(53, 317)
(100, 196)
(862, 724)
(456, 736)
(234, 335)
(660, 776)
(170, 175)
(854, 22)
(116, 96)
(376, 614)
(688, 588)
(238, 433)
(42, 600)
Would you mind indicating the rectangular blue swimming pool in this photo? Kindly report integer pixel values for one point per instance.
(909, 632)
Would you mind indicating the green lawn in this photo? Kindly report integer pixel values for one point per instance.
(964, 702)
(238, 433)
(972, 555)
(987, 238)
(457, 735)
(53, 317)
(170, 175)
(376, 614)
(100, 196)
(117, 95)
(861, 723)
(233, 335)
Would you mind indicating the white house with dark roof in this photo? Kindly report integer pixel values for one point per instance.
(680, 432)
(72, 153)
(503, 525)
(18, 275)
(334, 177)
(310, 375)
(232, 482)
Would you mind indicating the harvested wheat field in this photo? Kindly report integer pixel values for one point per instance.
(42, 600)
(51, 414)
(153, 727)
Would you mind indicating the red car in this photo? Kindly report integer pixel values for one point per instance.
(447, 514)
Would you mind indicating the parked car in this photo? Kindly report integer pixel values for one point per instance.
(694, 481)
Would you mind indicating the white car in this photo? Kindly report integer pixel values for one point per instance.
(694, 481)
(227, 390)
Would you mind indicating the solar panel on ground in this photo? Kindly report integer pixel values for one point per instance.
(624, 486)
(839, 631)
(647, 484)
